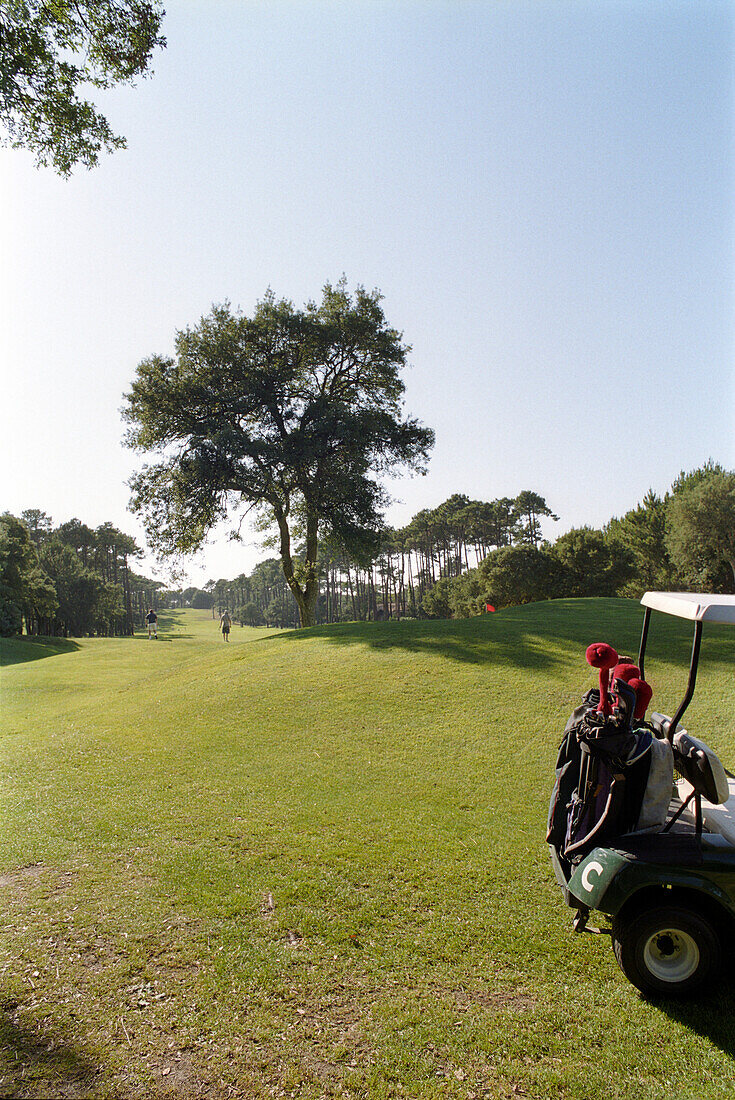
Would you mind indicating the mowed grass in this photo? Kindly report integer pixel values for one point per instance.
(312, 864)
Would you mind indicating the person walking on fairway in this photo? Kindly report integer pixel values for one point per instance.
(152, 620)
(226, 623)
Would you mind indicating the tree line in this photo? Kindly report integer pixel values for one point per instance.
(681, 541)
(447, 562)
(392, 575)
(69, 580)
(455, 559)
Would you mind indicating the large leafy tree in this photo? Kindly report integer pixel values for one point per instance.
(516, 575)
(591, 565)
(48, 50)
(26, 592)
(80, 591)
(700, 526)
(295, 412)
(642, 532)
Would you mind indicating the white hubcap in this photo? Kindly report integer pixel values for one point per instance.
(671, 955)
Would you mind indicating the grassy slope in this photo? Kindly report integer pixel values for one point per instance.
(313, 865)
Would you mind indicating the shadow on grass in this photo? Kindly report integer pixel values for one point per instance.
(711, 1015)
(535, 636)
(172, 621)
(45, 1064)
(169, 622)
(16, 651)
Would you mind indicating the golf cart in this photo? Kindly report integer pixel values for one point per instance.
(642, 818)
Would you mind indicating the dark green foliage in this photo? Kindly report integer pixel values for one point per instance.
(69, 579)
(689, 479)
(436, 604)
(700, 527)
(467, 596)
(250, 615)
(25, 590)
(38, 523)
(281, 611)
(590, 565)
(642, 532)
(11, 617)
(293, 412)
(455, 597)
(518, 575)
(202, 600)
(84, 598)
(48, 51)
(81, 538)
(530, 508)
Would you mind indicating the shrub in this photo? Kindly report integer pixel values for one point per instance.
(516, 575)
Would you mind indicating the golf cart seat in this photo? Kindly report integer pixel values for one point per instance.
(661, 723)
(720, 818)
(694, 761)
(702, 773)
(700, 768)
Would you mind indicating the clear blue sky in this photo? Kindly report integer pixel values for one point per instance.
(542, 191)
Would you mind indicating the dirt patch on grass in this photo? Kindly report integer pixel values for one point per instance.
(21, 876)
(505, 1001)
(495, 1001)
(36, 876)
(174, 1076)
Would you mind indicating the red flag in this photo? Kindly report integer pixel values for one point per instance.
(489, 607)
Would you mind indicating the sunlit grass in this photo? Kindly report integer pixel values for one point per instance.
(312, 864)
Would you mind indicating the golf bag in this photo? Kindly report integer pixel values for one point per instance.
(611, 779)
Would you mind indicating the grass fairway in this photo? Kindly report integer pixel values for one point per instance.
(312, 864)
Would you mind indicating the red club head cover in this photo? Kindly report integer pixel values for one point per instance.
(603, 656)
(626, 672)
(643, 696)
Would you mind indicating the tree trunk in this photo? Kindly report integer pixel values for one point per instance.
(351, 591)
(305, 597)
(311, 588)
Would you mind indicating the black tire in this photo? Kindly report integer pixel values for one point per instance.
(667, 951)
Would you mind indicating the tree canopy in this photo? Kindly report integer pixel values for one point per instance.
(590, 564)
(701, 523)
(530, 508)
(25, 590)
(516, 575)
(49, 50)
(642, 533)
(70, 579)
(296, 412)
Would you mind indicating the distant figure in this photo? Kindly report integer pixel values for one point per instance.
(226, 623)
(152, 620)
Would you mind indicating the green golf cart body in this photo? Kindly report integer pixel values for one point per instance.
(670, 894)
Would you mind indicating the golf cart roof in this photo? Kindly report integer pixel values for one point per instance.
(696, 606)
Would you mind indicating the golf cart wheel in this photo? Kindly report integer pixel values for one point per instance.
(666, 951)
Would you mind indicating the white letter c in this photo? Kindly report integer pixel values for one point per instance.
(591, 868)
